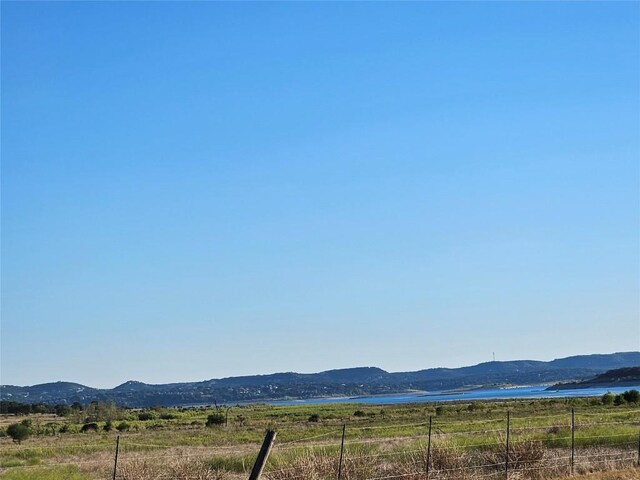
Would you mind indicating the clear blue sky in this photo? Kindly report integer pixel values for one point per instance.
(196, 190)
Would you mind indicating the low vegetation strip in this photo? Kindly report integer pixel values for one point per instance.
(627, 474)
(468, 441)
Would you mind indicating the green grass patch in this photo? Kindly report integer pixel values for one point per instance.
(45, 473)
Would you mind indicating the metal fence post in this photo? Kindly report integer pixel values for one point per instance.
(573, 438)
(428, 449)
(115, 462)
(344, 428)
(506, 456)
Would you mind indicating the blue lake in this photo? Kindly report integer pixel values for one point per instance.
(480, 394)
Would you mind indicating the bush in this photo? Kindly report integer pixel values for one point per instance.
(215, 419)
(108, 426)
(314, 417)
(359, 413)
(89, 426)
(18, 432)
(144, 416)
(619, 400)
(51, 427)
(123, 427)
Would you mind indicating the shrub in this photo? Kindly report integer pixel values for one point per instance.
(18, 432)
(215, 419)
(51, 427)
(619, 400)
(108, 426)
(89, 426)
(123, 427)
(314, 417)
(359, 413)
(144, 416)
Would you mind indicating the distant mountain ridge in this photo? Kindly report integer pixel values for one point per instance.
(341, 382)
(620, 377)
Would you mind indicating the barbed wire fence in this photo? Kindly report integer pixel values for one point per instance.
(439, 450)
(509, 448)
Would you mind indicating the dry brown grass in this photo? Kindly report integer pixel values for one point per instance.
(529, 460)
(627, 474)
(174, 469)
(36, 418)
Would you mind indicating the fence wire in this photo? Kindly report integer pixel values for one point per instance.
(425, 450)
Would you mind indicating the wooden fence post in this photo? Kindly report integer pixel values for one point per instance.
(261, 461)
(344, 428)
(115, 462)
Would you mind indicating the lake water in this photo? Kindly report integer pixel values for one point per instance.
(481, 394)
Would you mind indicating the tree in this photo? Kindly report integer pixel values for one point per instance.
(62, 410)
(631, 396)
(18, 432)
(607, 398)
(39, 408)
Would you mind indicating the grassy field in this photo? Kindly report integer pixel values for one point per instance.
(468, 441)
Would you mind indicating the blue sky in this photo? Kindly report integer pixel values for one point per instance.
(196, 190)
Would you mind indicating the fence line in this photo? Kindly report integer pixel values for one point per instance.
(511, 464)
(616, 449)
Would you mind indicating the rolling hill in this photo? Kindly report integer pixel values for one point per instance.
(342, 382)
